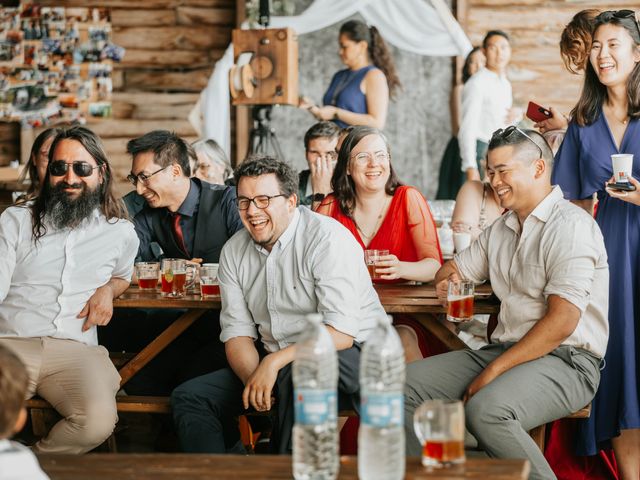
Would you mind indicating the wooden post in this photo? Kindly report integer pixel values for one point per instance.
(242, 114)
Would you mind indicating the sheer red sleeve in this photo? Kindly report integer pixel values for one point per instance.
(422, 227)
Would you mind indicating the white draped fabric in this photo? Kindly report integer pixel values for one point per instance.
(419, 26)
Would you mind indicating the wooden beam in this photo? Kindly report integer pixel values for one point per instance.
(110, 127)
(242, 114)
(170, 58)
(183, 81)
(206, 16)
(175, 37)
(121, 17)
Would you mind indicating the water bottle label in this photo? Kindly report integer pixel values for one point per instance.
(315, 407)
(382, 409)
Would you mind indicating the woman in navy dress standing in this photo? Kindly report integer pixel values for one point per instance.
(359, 94)
(606, 121)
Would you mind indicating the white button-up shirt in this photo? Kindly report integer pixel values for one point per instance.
(486, 100)
(316, 266)
(44, 286)
(559, 251)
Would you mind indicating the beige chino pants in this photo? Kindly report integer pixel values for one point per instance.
(80, 382)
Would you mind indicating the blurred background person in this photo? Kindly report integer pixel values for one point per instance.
(36, 168)
(451, 176)
(575, 45)
(486, 103)
(211, 164)
(359, 94)
(320, 152)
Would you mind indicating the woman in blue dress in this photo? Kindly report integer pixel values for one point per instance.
(606, 121)
(359, 94)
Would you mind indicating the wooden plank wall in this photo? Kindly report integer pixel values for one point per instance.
(172, 46)
(537, 72)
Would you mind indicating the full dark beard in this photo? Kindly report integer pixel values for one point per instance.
(64, 211)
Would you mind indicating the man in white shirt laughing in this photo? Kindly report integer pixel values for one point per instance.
(63, 258)
(288, 262)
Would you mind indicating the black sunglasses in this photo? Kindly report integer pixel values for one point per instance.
(58, 168)
(619, 14)
(505, 133)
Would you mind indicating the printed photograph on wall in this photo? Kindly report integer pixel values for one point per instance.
(56, 63)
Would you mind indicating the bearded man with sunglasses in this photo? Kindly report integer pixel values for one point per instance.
(63, 258)
(547, 264)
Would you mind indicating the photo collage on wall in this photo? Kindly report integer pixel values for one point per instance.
(56, 63)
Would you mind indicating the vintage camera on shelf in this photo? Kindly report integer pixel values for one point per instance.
(266, 67)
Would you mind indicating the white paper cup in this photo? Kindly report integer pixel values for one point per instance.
(622, 165)
(461, 240)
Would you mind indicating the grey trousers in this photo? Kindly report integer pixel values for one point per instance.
(501, 413)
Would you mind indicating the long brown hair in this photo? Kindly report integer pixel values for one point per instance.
(344, 189)
(379, 53)
(30, 170)
(594, 93)
(110, 206)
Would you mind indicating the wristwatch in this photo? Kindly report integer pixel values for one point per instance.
(318, 197)
(335, 115)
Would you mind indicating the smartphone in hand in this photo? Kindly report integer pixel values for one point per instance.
(621, 187)
(537, 113)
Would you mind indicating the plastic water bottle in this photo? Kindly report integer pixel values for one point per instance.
(381, 452)
(315, 382)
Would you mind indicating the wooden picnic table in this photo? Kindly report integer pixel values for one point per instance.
(419, 301)
(240, 467)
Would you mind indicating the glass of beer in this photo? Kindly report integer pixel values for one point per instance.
(439, 425)
(147, 274)
(460, 301)
(174, 277)
(371, 257)
(209, 286)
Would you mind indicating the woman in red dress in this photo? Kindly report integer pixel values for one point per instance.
(381, 213)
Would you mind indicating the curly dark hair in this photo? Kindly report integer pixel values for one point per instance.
(594, 93)
(378, 51)
(344, 189)
(110, 206)
(575, 41)
(256, 165)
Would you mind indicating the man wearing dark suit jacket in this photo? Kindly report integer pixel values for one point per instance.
(183, 218)
(187, 217)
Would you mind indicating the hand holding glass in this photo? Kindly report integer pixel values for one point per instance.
(439, 425)
(460, 300)
(371, 257)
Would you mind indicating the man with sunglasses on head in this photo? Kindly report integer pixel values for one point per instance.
(547, 264)
(289, 262)
(64, 257)
(182, 217)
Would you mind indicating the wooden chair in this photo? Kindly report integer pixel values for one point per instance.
(538, 434)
